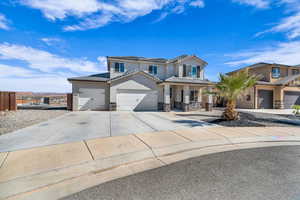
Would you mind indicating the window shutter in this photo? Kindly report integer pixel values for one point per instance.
(198, 71)
(150, 69)
(122, 69)
(117, 67)
(184, 71)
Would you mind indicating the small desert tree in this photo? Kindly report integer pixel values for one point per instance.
(231, 87)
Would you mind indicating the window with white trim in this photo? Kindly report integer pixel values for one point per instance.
(153, 70)
(119, 67)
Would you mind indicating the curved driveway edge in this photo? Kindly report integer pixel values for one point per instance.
(56, 171)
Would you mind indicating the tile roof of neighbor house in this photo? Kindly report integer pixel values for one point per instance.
(261, 64)
(102, 77)
(283, 81)
(287, 79)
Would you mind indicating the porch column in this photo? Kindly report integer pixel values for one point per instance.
(200, 97)
(75, 101)
(180, 70)
(209, 103)
(167, 106)
(279, 98)
(186, 98)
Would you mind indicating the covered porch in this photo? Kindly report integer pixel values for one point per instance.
(185, 97)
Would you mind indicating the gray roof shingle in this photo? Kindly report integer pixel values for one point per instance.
(102, 77)
(175, 79)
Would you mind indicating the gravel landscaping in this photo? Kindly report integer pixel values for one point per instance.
(14, 120)
(255, 119)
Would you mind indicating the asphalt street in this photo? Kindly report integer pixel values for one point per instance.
(252, 174)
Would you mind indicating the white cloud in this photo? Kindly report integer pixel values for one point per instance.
(256, 3)
(289, 25)
(51, 41)
(283, 53)
(45, 61)
(95, 13)
(13, 71)
(4, 22)
(197, 3)
(59, 9)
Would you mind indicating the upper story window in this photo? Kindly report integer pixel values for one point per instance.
(119, 67)
(153, 69)
(194, 71)
(275, 72)
(295, 71)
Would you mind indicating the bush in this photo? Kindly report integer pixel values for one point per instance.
(296, 109)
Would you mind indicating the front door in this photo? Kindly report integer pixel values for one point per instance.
(265, 99)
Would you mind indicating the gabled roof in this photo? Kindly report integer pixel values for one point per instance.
(257, 65)
(131, 73)
(287, 79)
(136, 58)
(280, 82)
(102, 77)
(158, 60)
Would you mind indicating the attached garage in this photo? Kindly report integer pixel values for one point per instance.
(91, 99)
(265, 99)
(137, 100)
(291, 98)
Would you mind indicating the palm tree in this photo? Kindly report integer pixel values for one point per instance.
(231, 87)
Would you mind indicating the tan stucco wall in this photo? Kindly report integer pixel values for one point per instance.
(86, 84)
(242, 101)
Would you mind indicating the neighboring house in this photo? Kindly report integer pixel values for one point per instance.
(138, 83)
(278, 87)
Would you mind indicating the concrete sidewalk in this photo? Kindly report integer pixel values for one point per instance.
(53, 172)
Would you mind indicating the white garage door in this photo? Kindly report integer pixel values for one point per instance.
(91, 99)
(136, 100)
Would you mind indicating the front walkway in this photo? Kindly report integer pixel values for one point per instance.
(56, 171)
(270, 111)
(77, 126)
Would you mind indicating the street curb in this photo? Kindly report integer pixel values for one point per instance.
(59, 182)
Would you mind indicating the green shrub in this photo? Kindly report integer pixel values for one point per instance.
(296, 109)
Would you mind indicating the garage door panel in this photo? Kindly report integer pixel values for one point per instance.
(291, 98)
(137, 100)
(265, 99)
(91, 99)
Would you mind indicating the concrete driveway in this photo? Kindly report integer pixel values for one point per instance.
(77, 126)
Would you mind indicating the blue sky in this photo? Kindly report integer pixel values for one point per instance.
(42, 42)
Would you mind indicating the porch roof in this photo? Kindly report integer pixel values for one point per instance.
(174, 79)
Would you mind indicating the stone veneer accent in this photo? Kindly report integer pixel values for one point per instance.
(112, 106)
(208, 107)
(185, 107)
(167, 107)
(279, 104)
(160, 106)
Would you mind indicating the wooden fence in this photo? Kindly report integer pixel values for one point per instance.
(8, 101)
(70, 101)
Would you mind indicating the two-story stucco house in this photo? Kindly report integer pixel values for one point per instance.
(141, 84)
(278, 87)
